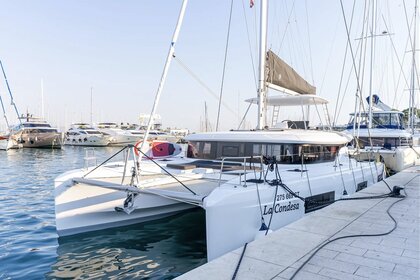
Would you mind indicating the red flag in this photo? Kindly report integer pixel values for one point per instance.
(251, 3)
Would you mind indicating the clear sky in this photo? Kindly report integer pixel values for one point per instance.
(119, 49)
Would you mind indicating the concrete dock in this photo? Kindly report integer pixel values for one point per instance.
(393, 256)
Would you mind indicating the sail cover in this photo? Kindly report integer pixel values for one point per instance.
(282, 75)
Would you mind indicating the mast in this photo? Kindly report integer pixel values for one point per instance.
(91, 106)
(411, 105)
(4, 113)
(262, 89)
(165, 72)
(372, 42)
(42, 98)
(205, 117)
(10, 93)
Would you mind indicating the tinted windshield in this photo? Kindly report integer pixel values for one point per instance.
(36, 130)
(36, 125)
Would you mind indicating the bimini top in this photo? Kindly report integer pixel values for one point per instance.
(292, 136)
(291, 100)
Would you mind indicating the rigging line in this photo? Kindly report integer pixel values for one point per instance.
(361, 70)
(298, 47)
(257, 188)
(404, 56)
(412, 44)
(287, 25)
(250, 48)
(351, 168)
(309, 42)
(398, 59)
(10, 92)
(342, 69)
(193, 75)
(319, 116)
(224, 65)
(362, 67)
(392, 57)
(105, 161)
(408, 26)
(164, 170)
(348, 81)
(351, 49)
(4, 113)
(243, 119)
(329, 59)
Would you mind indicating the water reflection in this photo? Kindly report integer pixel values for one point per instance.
(161, 249)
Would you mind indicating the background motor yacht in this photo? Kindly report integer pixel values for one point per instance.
(82, 134)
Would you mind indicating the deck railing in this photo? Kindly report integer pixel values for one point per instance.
(244, 161)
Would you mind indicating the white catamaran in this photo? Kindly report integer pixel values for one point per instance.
(247, 182)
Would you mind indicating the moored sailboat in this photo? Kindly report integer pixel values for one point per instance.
(248, 182)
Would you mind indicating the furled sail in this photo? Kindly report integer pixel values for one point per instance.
(282, 75)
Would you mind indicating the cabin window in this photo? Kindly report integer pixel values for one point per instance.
(386, 143)
(380, 120)
(284, 153)
(257, 150)
(36, 125)
(207, 148)
(230, 149)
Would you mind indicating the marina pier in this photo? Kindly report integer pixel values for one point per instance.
(280, 254)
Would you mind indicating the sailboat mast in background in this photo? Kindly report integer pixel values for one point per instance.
(262, 89)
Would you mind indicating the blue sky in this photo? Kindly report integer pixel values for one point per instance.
(119, 49)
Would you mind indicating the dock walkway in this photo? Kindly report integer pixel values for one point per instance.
(393, 256)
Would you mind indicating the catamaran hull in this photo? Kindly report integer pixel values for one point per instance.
(83, 208)
(233, 215)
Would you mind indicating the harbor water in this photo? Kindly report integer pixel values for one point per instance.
(31, 249)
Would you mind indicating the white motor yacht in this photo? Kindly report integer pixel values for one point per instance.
(35, 132)
(118, 136)
(82, 134)
(248, 182)
(386, 138)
